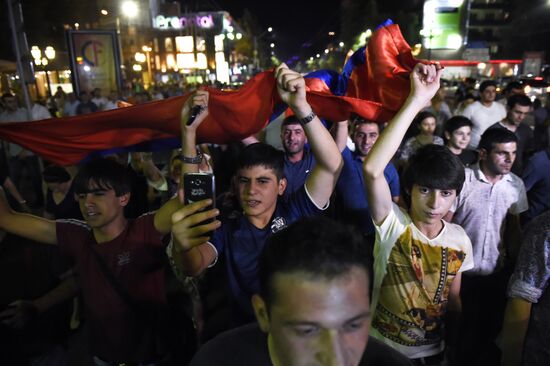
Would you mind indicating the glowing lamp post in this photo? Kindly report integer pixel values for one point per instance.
(49, 53)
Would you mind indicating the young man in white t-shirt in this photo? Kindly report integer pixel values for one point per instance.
(419, 258)
(485, 112)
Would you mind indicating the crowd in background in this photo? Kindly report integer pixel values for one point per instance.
(504, 191)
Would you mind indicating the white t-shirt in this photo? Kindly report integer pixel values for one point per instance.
(482, 117)
(412, 279)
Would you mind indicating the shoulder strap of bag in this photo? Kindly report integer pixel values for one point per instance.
(115, 284)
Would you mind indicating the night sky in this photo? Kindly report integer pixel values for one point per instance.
(295, 22)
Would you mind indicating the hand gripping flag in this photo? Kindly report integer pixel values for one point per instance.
(374, 86)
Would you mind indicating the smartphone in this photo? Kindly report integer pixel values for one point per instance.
(195, 111)
(198, 187)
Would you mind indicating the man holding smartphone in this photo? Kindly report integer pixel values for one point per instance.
(260, 183)
(119, 261)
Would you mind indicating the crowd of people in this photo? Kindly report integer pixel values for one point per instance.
(420, 241)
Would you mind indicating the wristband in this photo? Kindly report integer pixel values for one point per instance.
(191, 160)
(307, 119)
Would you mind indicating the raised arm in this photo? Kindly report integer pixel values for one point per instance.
(143, 162)
(340, 133)
(424, 84)
(163, 217)
(189, 132)
(28, 226)
(320, 183)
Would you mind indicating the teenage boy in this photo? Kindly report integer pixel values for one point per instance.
(458, 131)
(313, 305)
(419, 258)
(123, 328)
(259, 182)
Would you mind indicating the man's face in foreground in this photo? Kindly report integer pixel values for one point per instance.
(317, 321)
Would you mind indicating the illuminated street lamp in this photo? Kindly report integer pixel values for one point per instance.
(49, 54)
(129, 9)
(147, 51)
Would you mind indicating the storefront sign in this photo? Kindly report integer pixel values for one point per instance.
(205, 21)
(95, 61)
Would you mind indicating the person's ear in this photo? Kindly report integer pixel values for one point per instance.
(447, 135)
(124, 199)
(482, 153)
(260, 310)
(282, 186)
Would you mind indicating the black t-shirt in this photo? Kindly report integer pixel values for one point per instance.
(247, 345)
(66, 209)
(468, 157)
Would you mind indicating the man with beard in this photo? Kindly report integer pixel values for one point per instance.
(299, 161)
(351, 200)
(488, 209)
(519, 107)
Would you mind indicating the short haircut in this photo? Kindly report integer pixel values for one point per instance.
(485, 84)
(521, 99)
(260, 154)
(422, 116)
(290, 120)
(55, 174)
(513, 85)
(494, 136)
(456, 122)
(435, 167)
(357, 120)
(106, 174)
(319, 247)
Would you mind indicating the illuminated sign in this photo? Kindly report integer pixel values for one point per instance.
(205, 21)
(443, 23)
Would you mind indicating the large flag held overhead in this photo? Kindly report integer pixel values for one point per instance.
(374, 84)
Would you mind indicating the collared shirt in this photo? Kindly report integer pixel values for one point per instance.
(481, 210)
(351, 199)
(530, 282)
(297, 173)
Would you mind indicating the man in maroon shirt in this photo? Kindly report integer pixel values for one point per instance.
(122, 328)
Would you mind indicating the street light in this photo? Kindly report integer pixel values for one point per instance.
(129, 9)
(147, 51)
(36, 54)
